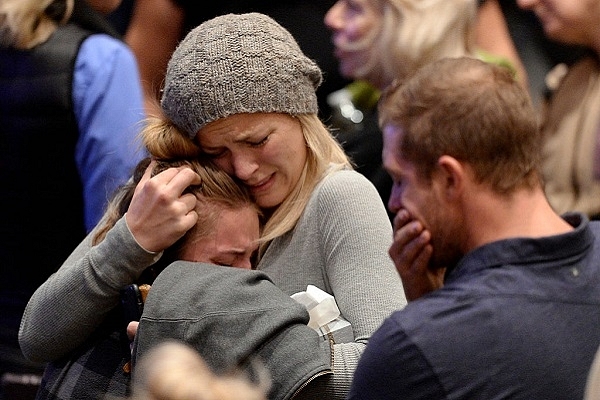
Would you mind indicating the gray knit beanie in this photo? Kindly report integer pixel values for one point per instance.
(237, 63)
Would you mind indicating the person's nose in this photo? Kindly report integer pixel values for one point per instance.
(332, 18)
(244, 165)
(394, 202)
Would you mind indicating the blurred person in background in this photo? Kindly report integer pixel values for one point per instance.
(175, 371)
(377, 41)
(70, 104)
(570, 118)
(539, 54)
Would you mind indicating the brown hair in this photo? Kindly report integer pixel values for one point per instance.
(217, 191)
(473, 111)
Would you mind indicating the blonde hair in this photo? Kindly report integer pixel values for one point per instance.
(164, 140)
(413, 33)
(325, 155)
(25, 24)
(175, 371)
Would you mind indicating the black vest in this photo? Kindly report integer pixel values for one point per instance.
(41, 216)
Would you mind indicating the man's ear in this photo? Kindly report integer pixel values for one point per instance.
(451, 176)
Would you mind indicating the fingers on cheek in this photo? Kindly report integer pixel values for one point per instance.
(405, 235)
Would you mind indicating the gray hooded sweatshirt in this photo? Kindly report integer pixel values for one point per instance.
(235, 318)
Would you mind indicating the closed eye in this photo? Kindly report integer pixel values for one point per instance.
(260, 143)
(224, 264)
(215, 154)
(224, 261)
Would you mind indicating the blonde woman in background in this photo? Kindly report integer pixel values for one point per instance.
(377, 41)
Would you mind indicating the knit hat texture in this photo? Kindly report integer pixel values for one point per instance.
(237, 63)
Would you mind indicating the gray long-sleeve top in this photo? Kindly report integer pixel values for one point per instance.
(340, 245)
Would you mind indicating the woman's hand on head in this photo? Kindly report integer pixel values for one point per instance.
(160, 213)
(411, 252)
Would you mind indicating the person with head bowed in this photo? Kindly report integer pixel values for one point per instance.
(226, 234)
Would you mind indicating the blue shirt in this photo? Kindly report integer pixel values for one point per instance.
(109, 107)
(516, 319)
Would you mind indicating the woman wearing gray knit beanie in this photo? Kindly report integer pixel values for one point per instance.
(239, 90)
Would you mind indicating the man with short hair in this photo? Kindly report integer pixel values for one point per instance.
(504, 293)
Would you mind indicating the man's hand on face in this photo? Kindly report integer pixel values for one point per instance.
(411, 252)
